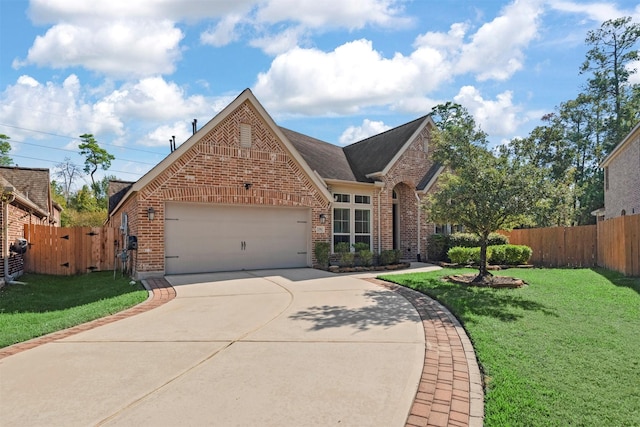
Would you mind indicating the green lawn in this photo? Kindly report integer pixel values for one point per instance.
(50, 303)
(563, 351)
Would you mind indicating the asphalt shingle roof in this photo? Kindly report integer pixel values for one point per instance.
(116, 191)
(32, 183)
(327, 159)
(374, 153)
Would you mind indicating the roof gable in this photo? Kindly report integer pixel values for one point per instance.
(185, 149)
(378, 153)
(31, 183)
(620, 147)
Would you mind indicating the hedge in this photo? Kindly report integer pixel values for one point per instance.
(496, 255)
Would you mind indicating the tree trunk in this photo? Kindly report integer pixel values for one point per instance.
(484, 274)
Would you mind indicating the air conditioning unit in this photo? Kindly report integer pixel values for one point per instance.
(19, 246)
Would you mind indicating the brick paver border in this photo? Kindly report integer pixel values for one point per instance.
(450, 392)
(160, 292)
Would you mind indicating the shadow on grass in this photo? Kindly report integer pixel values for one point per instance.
(619, 279)
(468, 301)
(385, 309)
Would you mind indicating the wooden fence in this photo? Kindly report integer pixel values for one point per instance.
(560, 246)
(619, 244)
(613, 244)
(69, 251)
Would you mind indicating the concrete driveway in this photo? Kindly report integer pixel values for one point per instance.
(264, 348)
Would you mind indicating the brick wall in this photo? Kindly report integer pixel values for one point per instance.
(403, 177)
(214, 170)
(17, 218)
(623, 192)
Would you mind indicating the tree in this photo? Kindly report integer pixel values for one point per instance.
(610, 60)
(548, 151)
(68, 172)
(101, 191)
(5, 148)
(482, 191)
(95, 156)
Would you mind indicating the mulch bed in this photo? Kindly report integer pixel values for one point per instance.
(490, 282)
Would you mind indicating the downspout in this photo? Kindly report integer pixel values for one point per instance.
(418, 206)
(7, 198)
(379, 224)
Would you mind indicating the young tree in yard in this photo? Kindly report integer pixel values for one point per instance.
(5, 148)
(95, 156)
(482, 191)
(68, 172)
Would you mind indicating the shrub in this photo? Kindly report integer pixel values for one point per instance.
(365, 255)
(342, 247)
(390, 256)
(346, 256)
(496, 239)
(461, 255)
(463, 240)
(517, 254)
(323, 252)
(470, 240)
(497, 255)
(437, 247)
(359, 247)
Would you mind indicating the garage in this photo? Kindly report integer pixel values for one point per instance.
(202, 238)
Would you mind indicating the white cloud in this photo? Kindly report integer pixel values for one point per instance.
(597, 11)
(281, 42)
(54, 11)
(353, 76)
(224, 32)
(115, 48)
(357, 133)
(635, 67)
(119, 115)
(154, 98)
(54, 108)
(496, 50)
(352, 14)
(497, 117)
(159, 137)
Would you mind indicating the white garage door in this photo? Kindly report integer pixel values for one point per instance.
(203, 238)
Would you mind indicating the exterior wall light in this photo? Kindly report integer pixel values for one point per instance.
(151, 213)
(323, 218)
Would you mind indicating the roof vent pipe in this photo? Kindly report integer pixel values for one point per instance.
(194, 126)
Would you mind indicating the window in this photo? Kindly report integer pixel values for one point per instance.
(362, 226)
(341, 198)
(341, 224)
(351, 223)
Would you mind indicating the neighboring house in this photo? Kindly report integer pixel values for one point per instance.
(25, 199)
(244, 193)
(622, 177)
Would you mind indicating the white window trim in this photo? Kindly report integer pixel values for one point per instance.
(352, 206)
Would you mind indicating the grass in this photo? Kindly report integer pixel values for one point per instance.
(563, 351)
(47, 304)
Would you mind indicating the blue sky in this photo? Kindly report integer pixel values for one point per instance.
(134, 73)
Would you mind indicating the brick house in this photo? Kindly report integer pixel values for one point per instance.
(244, 193)
(26, 199)
(622, 177)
